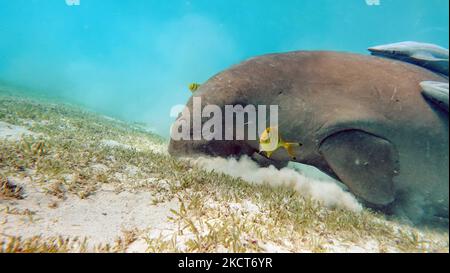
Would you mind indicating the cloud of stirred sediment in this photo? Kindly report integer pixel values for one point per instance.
(327, 192)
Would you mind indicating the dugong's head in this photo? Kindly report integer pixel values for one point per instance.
(201, 130)
(255, 90)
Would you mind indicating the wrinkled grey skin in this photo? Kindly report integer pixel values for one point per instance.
(361, 119)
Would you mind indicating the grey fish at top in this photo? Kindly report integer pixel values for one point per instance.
(427, 55)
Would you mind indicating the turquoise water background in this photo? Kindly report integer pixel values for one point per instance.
(134, 59)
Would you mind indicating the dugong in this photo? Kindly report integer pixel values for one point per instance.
(361, 119)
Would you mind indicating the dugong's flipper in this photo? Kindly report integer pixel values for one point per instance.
(365, 163)
(436, 92)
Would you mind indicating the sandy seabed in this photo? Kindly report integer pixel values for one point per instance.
(127, 207)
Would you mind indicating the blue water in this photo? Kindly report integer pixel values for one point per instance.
(134, 59)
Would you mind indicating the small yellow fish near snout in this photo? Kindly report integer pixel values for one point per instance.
(193, 87)
(270, 141)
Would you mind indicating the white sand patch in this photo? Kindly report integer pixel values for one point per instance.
(138, 246)
(245, 206)
(157, 148)
(274, 248)
(132, 170)
(13, 132)
(370, 246)
(326, 191)
(99, 168)
(111, 119)
(145, 145)
(114, 144)
(102, 217)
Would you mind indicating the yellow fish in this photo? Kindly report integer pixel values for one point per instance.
(193, 87)
(266, 145)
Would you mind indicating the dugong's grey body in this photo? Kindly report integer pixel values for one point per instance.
(361, 119)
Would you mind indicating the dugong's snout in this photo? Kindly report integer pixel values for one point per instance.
(177, 149)
(185, 145)
(186, 141)
(215, 148)
(189, 146)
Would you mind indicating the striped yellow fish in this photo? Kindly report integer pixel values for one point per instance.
(265, 144)
(193, 87)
